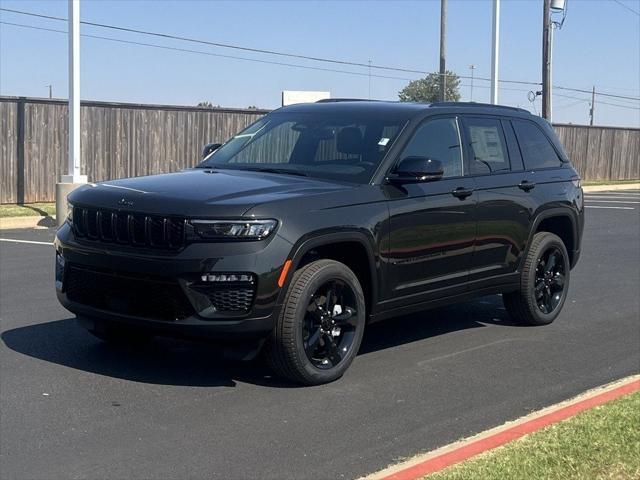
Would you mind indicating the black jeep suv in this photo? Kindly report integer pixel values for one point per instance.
(320, 218)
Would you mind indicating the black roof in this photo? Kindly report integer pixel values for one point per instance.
(397, 108)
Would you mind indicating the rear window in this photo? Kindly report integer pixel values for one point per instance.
(537, 151)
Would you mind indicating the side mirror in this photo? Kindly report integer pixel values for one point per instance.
(417, 169)
(209, 148)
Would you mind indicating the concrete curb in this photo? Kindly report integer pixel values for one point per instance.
(8, 223)
(604, 188)
(424, 464)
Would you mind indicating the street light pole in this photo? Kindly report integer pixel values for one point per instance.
(495, 50)
(73, 178)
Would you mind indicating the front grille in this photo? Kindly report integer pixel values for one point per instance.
(234, 298)
(133, 229)
(136, 295)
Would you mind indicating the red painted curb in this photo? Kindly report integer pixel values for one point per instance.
(500, 438)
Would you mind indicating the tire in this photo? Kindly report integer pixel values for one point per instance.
(115, 334)
(290, 350)
(529, 305)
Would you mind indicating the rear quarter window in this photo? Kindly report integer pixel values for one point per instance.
(537, 151)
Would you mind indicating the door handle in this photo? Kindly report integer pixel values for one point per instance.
(526, 185)
(462, 192)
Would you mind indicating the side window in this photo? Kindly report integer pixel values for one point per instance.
(537, 151)
(438, 139)
(512, 147)
(487, 145)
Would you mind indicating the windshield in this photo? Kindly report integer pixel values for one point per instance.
(347, 147)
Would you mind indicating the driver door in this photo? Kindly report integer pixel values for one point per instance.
(432, 224)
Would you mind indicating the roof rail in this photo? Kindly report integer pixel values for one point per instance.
(335, 100)
(474, 104)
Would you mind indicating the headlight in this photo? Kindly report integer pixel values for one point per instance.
(240, 229)
(70, 213)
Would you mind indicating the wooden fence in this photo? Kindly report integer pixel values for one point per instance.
(602, 153)
(118, 140)
(122, 140)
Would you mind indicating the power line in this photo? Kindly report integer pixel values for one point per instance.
(600, 102)
(627, 7)
(233, 57)
(637, 99)
(178, 49)
(251, 49)
(273, 52)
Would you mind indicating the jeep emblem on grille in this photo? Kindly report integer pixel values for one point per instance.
(123, 202)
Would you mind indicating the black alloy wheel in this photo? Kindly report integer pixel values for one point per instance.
(320, 327)
(544, 282)
(330, 324)
(550, 280)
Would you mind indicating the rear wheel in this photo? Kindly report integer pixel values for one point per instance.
(321, 324)
(544, 282)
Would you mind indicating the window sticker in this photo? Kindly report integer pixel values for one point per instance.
(383, 142)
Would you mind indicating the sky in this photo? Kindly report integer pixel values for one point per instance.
(598, 45)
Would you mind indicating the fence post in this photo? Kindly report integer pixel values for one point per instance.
(20, 157)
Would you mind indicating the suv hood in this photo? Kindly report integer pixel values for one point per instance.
(199, 192)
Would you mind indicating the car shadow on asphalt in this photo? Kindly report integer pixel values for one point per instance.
(175, 362)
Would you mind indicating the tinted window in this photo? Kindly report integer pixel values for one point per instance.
(438, 139)
(537, 151)
(486, 140)
(512, 146)
(340, 146)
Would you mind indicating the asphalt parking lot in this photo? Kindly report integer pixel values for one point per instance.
(73, 407)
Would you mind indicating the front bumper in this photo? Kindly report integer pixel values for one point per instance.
(182, 270)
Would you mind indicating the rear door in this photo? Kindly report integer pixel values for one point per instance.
(432, 225)
(505, 204)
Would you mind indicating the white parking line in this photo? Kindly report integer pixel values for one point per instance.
(609, 201)
(611, 198)
(622, 192)
(13, 240)
(617, 208)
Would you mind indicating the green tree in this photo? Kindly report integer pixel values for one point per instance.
(427, 89)
(207, 105)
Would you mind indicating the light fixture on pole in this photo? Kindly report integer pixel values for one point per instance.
(73, 178)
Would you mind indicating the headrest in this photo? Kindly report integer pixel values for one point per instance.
(349, 140)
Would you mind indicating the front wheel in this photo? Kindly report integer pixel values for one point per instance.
(321, 324)
(544, 282)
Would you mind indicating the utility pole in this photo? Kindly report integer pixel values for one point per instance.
(495, 51)
(73, 178)
(443, 50)
(546, 60)
(369, 79)
(50, 90)
(592, 110)
(472, 68)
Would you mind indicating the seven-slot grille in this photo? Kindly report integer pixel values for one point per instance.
(134, 229)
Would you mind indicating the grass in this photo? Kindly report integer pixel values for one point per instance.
(28, 210)
(608, 182)
(602, 443)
